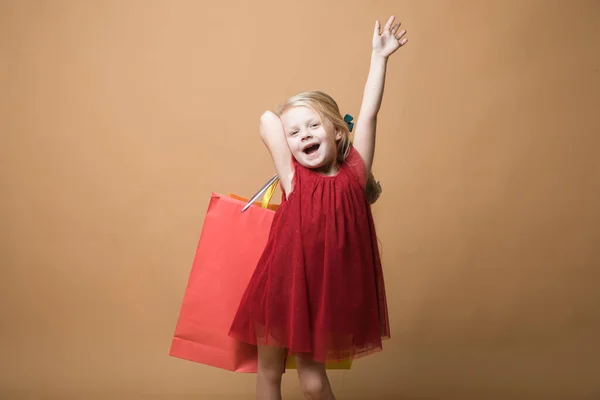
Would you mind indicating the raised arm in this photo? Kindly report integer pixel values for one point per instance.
(384, 44)
(273, 136)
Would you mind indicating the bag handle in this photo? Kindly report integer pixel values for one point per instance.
(266, 197)
(266, 200)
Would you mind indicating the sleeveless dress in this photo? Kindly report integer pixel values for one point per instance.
(318, 287)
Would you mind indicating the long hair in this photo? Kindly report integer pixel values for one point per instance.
(328, 110)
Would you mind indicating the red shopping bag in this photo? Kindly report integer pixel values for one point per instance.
(230, 245)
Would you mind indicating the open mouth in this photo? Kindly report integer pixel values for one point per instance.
(311, 149)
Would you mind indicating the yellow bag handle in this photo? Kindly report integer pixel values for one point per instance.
(266, 198)
(269, 194)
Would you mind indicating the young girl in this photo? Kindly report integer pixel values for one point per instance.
(318, 290)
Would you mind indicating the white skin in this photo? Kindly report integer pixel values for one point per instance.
(283, 144)
(309, 141)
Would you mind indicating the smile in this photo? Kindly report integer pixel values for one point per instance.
(311, 149)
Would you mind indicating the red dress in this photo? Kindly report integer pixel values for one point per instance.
(318, 287)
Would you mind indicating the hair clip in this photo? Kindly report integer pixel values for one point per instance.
(348, 120)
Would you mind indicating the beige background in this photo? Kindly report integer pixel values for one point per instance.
(119, 118)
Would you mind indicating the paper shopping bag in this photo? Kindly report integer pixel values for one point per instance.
(230, 245)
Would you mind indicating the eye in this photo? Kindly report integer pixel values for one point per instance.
(314, 125)
(293, 133)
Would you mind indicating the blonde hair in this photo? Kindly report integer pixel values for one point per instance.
(332, 119)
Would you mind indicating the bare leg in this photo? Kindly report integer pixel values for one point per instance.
(313, 379)
(271, 364)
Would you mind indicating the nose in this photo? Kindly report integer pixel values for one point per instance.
(306, 135)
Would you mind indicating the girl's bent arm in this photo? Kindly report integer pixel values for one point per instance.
(273, 136)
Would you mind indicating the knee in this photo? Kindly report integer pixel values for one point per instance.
(271, 372)
(314, 387)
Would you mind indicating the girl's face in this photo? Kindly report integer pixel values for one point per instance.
(308, 140)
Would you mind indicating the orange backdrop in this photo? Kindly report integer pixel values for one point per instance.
(119, 118)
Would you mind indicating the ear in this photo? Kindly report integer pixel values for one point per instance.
(338, 135)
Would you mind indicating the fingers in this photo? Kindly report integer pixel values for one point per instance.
(399, 35)
(400, 38)
(391, 29)
(389, 23)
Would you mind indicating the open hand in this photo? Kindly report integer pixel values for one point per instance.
(387, 42)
